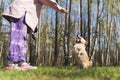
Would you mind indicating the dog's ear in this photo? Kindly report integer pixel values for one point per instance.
(86, 43)
(78, 36)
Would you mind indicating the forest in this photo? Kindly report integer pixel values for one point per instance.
(98, 21)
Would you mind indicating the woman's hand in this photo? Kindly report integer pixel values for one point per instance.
(53, 4)
(63, 10)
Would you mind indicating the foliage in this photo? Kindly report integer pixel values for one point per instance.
(63, 73)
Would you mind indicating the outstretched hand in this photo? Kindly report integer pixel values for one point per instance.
(53, 4)
(63, 10)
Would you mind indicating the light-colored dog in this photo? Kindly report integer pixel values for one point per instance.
(80, 54)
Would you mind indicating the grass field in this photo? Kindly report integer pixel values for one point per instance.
(63, 73)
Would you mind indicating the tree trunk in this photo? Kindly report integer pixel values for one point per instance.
(96, 31)
(68, 32)
(89, 27)
(66, 37)
(81, 27)
(56, 40)
(38, 47)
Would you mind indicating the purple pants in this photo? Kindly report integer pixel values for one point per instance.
(18, 44)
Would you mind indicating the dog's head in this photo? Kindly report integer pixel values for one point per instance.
(80, 39)
(78, 48)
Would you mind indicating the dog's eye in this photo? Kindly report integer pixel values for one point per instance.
(78, 49)
(81, 53)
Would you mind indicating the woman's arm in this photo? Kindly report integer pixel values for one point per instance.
(53, 4)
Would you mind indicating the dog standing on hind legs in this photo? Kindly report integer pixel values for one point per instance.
(80, 53)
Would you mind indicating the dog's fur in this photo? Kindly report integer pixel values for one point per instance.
(80, 54)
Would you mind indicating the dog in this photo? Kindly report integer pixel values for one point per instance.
(80, 54)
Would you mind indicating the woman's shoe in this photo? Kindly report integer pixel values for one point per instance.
(12, 67)
(26, 66)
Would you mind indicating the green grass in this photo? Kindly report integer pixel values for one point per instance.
(63, 73)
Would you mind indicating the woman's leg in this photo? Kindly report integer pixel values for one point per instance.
(18, 44)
